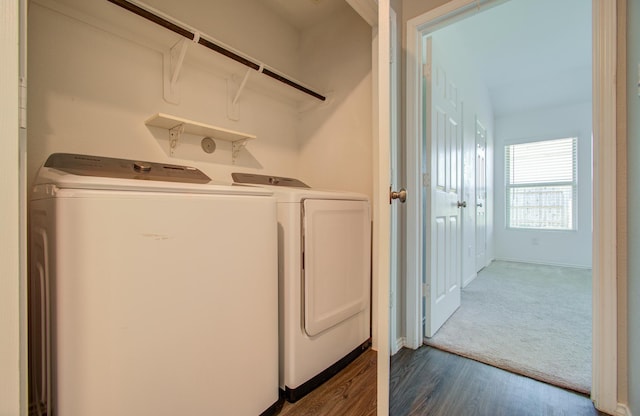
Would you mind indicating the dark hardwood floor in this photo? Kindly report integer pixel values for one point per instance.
(431, 382)
(352, 392)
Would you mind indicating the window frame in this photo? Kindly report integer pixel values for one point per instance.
(573, 183)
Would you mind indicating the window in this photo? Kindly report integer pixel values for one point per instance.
(541, 184)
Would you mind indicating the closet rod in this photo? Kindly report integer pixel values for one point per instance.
(212, 45)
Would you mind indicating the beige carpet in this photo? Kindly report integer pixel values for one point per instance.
(529, 319)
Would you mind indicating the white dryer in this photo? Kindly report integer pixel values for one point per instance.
(148, 288)
(324, 262)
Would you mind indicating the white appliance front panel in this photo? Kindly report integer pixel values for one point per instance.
(158, 302)
(336, 262)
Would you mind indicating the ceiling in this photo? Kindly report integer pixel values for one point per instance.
(529, 53)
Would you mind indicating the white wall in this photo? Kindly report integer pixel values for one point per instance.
(570, 248)
(336, 138)
(97, 75)
(91, 91)
(633, 189)
(248, 26)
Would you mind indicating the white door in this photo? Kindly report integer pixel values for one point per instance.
(443, 205)
(381, 245)
(395, 295)
(481, 196)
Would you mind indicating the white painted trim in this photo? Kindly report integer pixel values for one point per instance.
(381, 208)
(398, 345)
(414, 262)
(470, 279)
(604, 390)
(622, 410)
(605, 303)
(575, 266)
(12, 316)
(442, 14)
(23, 191)
(394, 180)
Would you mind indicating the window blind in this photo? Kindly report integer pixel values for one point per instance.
(541, 179)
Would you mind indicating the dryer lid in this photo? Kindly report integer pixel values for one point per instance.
(253, 179)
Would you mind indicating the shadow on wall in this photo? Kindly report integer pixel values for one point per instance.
(335, 138)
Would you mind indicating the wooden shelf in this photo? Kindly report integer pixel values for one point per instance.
(170, 122)
(177, 126)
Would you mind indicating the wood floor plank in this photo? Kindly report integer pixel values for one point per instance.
(431, 382)
(352, 392)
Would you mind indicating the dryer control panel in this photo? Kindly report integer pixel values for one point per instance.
(253, 179)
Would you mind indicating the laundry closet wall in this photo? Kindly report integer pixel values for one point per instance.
(96, 75)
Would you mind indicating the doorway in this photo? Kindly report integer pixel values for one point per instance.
(543, 216)
(604, 266)
(527, 93)
(535, 221)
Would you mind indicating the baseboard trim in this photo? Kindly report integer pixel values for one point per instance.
(623, 410)
(468, 280)
(295, 394)
(543, 263)
(400, 343)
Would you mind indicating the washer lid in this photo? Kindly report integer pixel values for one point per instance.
(107, 167)
(72, 171)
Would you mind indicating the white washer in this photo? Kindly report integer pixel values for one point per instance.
(153, 292)
(324, 244)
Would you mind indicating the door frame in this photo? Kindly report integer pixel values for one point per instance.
(13, 290)
(605, 332)
(477, 126)
(10, 282)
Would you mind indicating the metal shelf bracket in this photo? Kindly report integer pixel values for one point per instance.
(236, 147)
(172, 62)
(174, 137)
(233, 107)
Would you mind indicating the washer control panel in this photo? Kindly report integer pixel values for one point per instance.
(106, 167)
